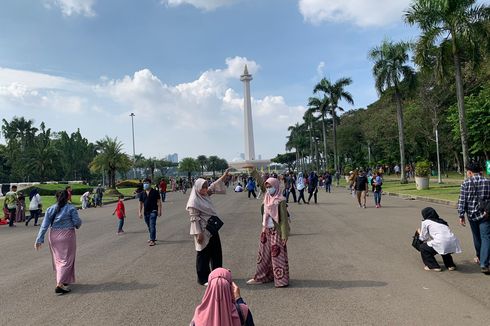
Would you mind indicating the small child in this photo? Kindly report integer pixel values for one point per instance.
(121, 214)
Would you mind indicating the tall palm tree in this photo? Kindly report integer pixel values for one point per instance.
(110, 158)
(203, 161)
(457, 21)
(321, 106)
(335, 92)
(390, 70)
(189, 165)
(297, 139)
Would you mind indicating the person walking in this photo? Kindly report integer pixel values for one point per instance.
(313, 187)
(328, 182)
(474, 190)
(377, 183)
(300, 185)
(272, 261)
(201, 208)
(163, 189)
(289, 184)
(35, 206)
(120, 210)
(222, 304)
(438, 239)
(151, 208)
(361, 187)
(251, 187)
(21, 208)
(99, 193)
(11, 203)
(62, 219)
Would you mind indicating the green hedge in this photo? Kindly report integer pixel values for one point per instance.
(127, 184)
(51, 189)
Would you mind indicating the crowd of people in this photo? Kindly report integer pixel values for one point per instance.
(222, 301)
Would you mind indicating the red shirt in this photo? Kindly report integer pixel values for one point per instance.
(163, 186)
(120, 210)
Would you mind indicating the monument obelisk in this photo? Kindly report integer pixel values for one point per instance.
(247, 110)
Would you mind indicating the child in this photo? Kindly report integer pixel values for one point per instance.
(121, 214)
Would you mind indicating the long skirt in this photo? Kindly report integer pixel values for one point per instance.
(272, 259)
(63, 244)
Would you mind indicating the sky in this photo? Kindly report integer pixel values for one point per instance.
(176, 64)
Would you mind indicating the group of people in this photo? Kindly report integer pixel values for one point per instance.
(14, 208)
(91, 198)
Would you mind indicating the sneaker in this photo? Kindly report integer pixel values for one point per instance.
(452, 268)
(363, 206)
(432, 269)
(152, 243)
(205, 284)
(485, 270)
(252, 281)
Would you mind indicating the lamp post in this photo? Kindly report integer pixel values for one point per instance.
(134, 152)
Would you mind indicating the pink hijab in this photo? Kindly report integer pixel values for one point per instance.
(217, 307)
(271, 202)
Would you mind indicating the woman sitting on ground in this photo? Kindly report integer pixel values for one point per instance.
(438, 239)
(222, 304)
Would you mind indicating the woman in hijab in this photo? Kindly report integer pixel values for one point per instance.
(313, 186)
(272, 260)
(438, 239)
(35, 206)
(222, 304)
(300, 185)
(200, 209)
(62, 219)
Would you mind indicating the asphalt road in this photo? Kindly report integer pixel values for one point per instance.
(348, 266)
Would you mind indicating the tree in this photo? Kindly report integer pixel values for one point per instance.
(213, 163)
(188, 165)
(389, 70)
(202, 160)
(42, 158)
(110, 159)
(457, 21)
(335, 93)
(321, 106)
(288, 158)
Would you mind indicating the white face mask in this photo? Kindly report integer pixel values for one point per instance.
(271, 190)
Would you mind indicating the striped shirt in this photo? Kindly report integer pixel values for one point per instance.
(472, 189)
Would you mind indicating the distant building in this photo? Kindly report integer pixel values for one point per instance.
(260, 156)
(242, 156)
(174, 158)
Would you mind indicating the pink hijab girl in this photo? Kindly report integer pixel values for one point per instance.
(272, 198)
(220, 302)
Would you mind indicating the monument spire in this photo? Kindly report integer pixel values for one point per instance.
(247, 110)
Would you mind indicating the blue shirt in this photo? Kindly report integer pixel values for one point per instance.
(67, 218)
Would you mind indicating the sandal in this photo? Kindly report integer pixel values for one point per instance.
(152, 243)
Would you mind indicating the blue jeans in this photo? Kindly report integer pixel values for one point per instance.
(377, 197)
(151, 222)
(120, 225)
(481, 239)
(163, 195)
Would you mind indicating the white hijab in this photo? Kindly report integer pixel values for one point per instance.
(200, 202)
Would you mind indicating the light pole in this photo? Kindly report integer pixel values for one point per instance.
(134, 152)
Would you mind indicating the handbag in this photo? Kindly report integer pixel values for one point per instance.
(416, 242)
(214, 224)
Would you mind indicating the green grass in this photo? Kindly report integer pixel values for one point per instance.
(446, 191)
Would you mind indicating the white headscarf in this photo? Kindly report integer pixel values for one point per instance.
(200, 202)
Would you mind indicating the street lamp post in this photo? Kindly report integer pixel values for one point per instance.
(134, 152)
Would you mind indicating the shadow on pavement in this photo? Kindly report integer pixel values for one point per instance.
(110, 287)
(467, 267)
(330, 284)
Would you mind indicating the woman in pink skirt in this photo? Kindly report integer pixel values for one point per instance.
(272, 259)
(62, 219)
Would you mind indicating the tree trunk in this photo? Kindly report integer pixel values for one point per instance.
(324, 142)
(334, 125)
(401, 137)
(460, 96)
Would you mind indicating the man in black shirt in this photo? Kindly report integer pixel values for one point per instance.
(361, 186)
(150, 207)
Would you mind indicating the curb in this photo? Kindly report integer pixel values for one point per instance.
(450, 203)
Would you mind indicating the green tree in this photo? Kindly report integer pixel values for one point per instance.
(390, 70)
(202, 160)
(111, 159)
(460, 22)
(321, 106)
(43, 157)
(188, 165)
(335, 92)
(288, 158)
(213, 163)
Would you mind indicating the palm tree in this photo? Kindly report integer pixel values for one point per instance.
(297, 139)
(202, 160)
(390, 70)
(321, 106)
(111, 159)
(457, 21)
(189, 165)
(335, 93)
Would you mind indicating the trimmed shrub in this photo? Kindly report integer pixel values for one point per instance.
(128, 184)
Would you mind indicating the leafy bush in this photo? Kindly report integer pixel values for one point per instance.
(51, 189)
(422, 169)
(127, 184)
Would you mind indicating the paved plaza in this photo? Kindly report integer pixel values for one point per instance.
(348, 266)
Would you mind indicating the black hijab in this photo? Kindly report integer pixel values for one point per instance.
(33, 193)
(429, 213)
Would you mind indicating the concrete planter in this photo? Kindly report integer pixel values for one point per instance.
(422, 183)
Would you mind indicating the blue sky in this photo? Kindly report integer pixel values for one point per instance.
(176, 63)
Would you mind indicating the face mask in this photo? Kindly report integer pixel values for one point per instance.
(271, 190)
(146, 186)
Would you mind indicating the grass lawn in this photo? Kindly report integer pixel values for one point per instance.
(446, 191)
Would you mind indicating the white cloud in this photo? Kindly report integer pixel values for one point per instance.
(200, 4)
(320, 69)
(73, 7)
(359, 12)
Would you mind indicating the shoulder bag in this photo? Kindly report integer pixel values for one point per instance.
(214, 224)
